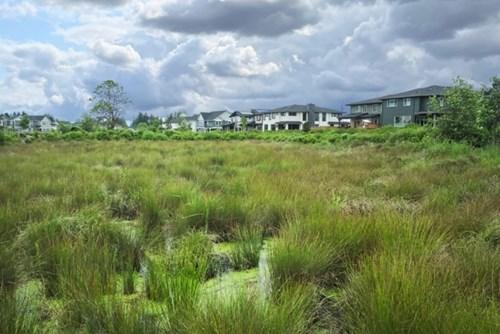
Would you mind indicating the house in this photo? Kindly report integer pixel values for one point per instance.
(398, 109)
(364, 113)
(296, 117)
(4, 122)
(212, 121)
(43, 123)
(238, 118)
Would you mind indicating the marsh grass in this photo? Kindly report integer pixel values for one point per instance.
(245, 311)
(248, 243)
(17, 315)
(372, 232)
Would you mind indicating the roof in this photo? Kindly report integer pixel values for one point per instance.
(425, 91)
(36, 117)
(353, 115)
(243, 114)
(360, 115)
(210, 116)
(369, 101)
(303, 108)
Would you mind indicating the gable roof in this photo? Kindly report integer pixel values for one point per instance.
(418, 92)
(376, 100)
(36, 117)
(426, 91)
(303, 108)
(210, 116)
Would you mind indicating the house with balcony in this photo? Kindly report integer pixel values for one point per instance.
(364, 114)
(253, 120)
(398, 110)
(296, 117)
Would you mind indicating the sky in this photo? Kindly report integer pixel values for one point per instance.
(206, 55)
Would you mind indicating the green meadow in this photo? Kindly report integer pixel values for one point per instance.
(250, 235)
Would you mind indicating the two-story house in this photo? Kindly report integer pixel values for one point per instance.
(4, 122)
(364, 113)
(296, 117)
(412, 106)
(244, 120)
(398, 109)
(210, 121)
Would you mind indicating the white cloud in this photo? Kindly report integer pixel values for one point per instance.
(227, 58)
(57, 99)
(9, 10)
(200, 55)
(116, 54)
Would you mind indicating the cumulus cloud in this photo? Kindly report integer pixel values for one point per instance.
(206, 55)
(246, 17)
(229, 59)
(12, 10)
(103, 3)
(425, 20)
(116, 54)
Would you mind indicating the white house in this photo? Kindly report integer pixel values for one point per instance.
(296, 117)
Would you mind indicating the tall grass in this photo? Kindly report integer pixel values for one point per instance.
(372, 232)
(248, 244)
(247, 312)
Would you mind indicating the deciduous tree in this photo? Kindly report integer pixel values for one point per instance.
(461, 107)
(110, 102)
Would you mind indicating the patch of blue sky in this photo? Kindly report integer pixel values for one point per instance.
(33, 29)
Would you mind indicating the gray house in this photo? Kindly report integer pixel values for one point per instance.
(365, 113)
(399, 109)
(214, 120)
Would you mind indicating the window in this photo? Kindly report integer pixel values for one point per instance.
(392, 103)
(401, 121)
(323, 118)
(304, 116)
(283, 114)
(292, 114)
(375, 108)
(407, 102)
(316, 117)
(274, 116)
(364, 108)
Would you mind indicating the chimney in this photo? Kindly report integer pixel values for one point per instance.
(311, 117)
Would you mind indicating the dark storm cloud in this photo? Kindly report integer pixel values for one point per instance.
(426, 20)
(251, 18)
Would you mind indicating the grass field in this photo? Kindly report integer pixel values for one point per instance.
(130, 236)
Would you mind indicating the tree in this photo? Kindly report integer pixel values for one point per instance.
(461, 107)
(110, 102)
(244, 123)
(141, 118)
(87, 123)
(489, 118)
(25, 122)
